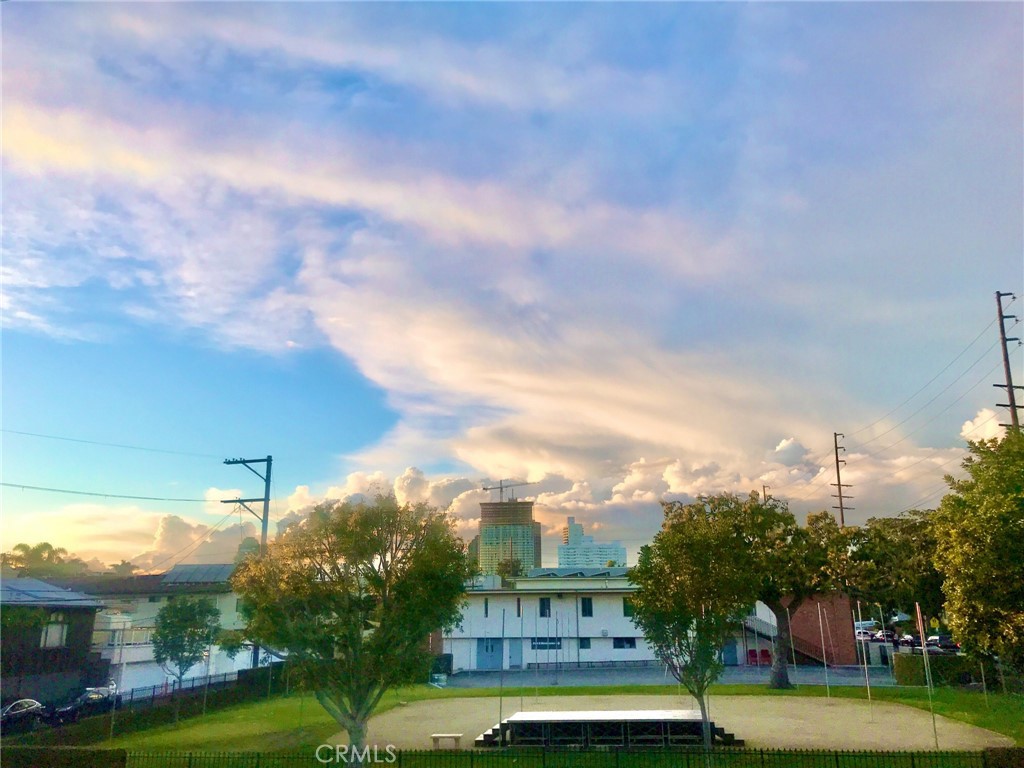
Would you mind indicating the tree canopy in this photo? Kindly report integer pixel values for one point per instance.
(694, 584)
(790, 563)
(892, 563)
(185, 628)
(979, 534)
(43, 561)
(350, 596)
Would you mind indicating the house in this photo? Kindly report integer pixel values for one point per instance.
(46, 641)
(124, 627)
(582, 617)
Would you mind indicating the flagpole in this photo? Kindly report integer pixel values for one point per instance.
(927, 671)
(867, 678)
(824, 659)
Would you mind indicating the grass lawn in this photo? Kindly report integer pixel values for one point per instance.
(299, 723)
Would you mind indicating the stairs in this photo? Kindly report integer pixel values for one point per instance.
(725, 738)
(488, 738)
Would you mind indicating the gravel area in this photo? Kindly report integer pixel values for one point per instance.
(762, 721)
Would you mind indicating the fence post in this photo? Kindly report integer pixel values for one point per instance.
(837, 758)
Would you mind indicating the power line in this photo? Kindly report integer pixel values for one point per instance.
(110, 445)
(102, 495)
(928, 383)
(933, 399)
(194, 545)
(937, 415)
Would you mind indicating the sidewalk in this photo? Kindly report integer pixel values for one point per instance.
(801, 675)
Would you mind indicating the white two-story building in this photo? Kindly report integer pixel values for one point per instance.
(571, 617)
(551, 617)
(123, 632)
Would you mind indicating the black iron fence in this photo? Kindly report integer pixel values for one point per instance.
(548, 758)
(381, 757)
(148, 694)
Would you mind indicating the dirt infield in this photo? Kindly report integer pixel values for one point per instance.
(763, 721)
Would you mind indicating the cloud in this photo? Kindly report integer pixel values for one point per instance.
(789, 452)
(984, 426)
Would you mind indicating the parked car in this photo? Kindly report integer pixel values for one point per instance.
(94, 701)
(931, 650)
(865, 634)
(945, 642)
(884, 636)
(22, 715)
(912, 641)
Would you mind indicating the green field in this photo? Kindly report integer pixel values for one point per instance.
(298, 722)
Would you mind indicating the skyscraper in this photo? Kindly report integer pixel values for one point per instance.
(508, 531)
(580, 551)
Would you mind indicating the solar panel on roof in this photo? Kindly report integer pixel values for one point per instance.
(199, 574)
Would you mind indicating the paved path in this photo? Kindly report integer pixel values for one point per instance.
(531, 678)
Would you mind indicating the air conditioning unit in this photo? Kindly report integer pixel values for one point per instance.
(604, 633)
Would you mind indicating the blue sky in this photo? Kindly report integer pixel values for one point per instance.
(626, 252)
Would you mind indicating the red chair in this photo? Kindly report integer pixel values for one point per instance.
(752, 657)
(766, 657)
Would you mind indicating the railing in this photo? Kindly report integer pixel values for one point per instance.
(32, 757)
(148, 694)
(553, 758)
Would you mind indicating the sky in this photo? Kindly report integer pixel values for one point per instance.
(624, 252)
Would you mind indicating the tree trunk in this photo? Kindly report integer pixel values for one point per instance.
(356, 738)
(354, 725)
(705, 723)
(782, 645)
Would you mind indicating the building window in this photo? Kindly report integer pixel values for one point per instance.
(546, 643)
(624, 642)
(519, 607)
(485, 608)
(545, 607)
(587, 606)
(584, 643)
(627, 607)
(55, 633)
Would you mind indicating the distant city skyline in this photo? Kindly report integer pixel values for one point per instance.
(622, 252)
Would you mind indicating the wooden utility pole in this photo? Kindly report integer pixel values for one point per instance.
(839, 484)
(1008, 386)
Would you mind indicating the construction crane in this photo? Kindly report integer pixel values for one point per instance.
(502, 485)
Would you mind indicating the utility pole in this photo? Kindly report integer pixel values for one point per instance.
(265, 519)
(1008, 386)
(839, 484)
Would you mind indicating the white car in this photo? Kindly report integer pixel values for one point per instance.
(865, 634)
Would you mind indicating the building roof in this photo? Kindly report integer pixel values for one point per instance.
(29, 592)
(180, 580)
(199, 574)
(583, 573)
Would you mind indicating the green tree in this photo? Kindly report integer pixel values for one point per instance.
(892, 564)
(43, 561)
(791, 563)
(979, 533)
(123, 569)
(508, 569)
(185, 628)
(351, 595)
(250, 546)
(693, 587)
